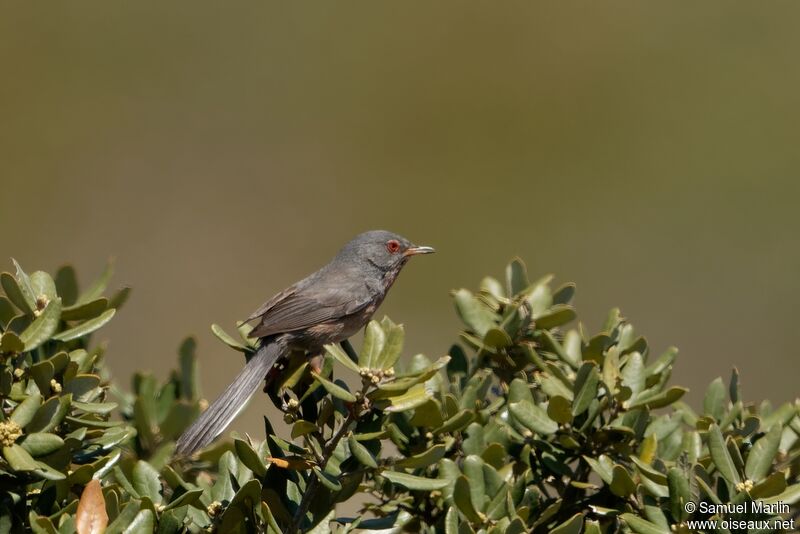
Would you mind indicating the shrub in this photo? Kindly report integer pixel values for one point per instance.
(526, 425)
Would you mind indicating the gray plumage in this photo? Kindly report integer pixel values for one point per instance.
(328, 306)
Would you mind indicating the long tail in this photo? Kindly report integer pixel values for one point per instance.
(222, 411)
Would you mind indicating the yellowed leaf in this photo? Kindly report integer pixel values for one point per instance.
(91, 517)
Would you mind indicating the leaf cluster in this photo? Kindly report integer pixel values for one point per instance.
(528, 424)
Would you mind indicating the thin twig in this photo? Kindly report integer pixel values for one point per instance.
(327, 452)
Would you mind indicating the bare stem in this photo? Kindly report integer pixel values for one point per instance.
(327, 452)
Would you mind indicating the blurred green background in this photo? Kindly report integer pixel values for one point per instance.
(647, 151)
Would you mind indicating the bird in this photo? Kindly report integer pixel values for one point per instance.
(326, 307)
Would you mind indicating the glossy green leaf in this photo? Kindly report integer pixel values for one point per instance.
(413, 398)
(719, 453)
(87, 310)
(573, 525)
(559, 410)
(679, 494)
(86, 327)
(585, 389)
(392, 346)
(475, 314)
(762, 454)
(425, 458)
(456, 423)
(43, 327)
(533, 417)
(10, 342)
(250, 457)
(622, 483)
(374, 341)
(146, 481)
(659, 400)
(414, 482)
(462, 498)
(334, 389)
(361, 453)
(41, 443)
(715, 399)
(25, 411)
(338, 354)
(50, 414)
(14, 293)
(642, 526)
(67, 284)
(558, 315)
(223, 336)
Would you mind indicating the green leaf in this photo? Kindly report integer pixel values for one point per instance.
(622, 483)
(87, 310)
(770, 486)
(67, 284)
(19, 459)
(50, 414)
(497, 338)
(141, 524)
(585, 388)
(334, 389)
(361, 453)
(559, 410)
(374, 341)
(223, 336)
(413, 398)
(414, 482)
(719, 453)
(41, 443)
(533, 417)
(10, 342)
(456, 423)
(338, 354)
(146, 481)
(714, 400)
(25, 411)
(558, 315)
(86, 328)
(475, 314)
(573, 525)
(301, 428)
(424, 459)
(791, 496)
(633, 373)
(43, 327)
(15, 294)
(603, 466)
(659, 400)
(392, 346)
(516, 277)
(761, 456)
(462, 497)
(250, 458)
(642, 526)
(188, 498)
(679, 494)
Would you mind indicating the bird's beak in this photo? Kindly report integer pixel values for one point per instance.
(413, 251)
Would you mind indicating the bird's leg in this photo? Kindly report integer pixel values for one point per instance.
(315, 362)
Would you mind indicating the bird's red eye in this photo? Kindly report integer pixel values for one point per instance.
(393, 246)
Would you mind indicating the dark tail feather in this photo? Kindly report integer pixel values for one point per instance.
(222, 411)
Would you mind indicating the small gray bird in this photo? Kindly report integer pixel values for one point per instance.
(326, 307)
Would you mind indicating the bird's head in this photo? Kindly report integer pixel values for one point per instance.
(386, 251)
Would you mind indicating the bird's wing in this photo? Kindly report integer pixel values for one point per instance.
(264, 308)
(299, 309)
